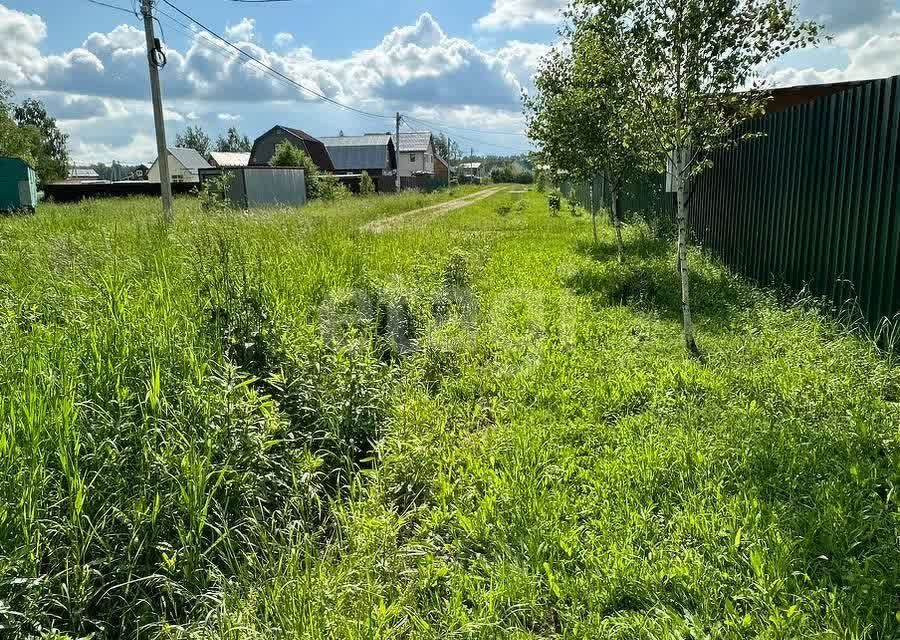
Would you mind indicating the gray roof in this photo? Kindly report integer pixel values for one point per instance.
(355, 153)
(230, 159)
(414, 141)
(189, 158)
(83, 172)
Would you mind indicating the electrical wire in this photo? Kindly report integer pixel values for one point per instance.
(457, 136)
(218, 49)
(378, 116)
(277, 75)
(484, 131)
(228, 55)
(111, 6)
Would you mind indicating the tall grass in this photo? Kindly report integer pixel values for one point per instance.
(279, 426)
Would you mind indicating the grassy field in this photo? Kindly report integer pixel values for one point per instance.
(282, 426)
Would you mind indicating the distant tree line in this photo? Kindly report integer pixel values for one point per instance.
(196, 138)
(512, 173)
(27, 131)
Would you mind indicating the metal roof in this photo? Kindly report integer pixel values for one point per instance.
(352, 153)
(189, 158)
(370, 139)
(470, 165)
(230, 159)
(83, 172)
(415, 141)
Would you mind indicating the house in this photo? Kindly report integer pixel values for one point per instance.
(184, 166)
(140, 173)
(469, 172)
(228, 160)
(264, 147)
(82, 174)
(416, 152)
(373, 153)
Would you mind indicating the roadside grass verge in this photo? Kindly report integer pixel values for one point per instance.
(276, 426)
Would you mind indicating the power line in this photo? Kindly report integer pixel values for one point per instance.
(112, 6)
(478, 142)
(379, 116)
(484, 131)
(221, 51)
(277, 75)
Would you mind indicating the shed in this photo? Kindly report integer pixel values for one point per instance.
(254, 187)
(264, 147)
(184, 166)
(372, 153)
(18, 185)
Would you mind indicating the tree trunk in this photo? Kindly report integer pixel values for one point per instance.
(593, 212)
(689, 340)
(617, 221)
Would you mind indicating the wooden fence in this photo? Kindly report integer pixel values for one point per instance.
(814, 202)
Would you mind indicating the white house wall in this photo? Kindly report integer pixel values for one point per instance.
(424, 163)
(176, 171)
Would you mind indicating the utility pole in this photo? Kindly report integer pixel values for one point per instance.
(398, 152)
(154, 54)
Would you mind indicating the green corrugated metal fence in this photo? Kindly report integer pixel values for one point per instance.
(813, 203)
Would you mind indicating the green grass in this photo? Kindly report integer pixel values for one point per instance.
(277, 426)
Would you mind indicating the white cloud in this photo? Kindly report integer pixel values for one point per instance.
(283, 39)
(842, 16)
(522, 59)
(20, 35)
(414, 65)
(876, 57)
(138, 148)
(511, 14)
(243, 31)
(98, 89)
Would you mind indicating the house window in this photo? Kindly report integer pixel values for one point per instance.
(412, 157)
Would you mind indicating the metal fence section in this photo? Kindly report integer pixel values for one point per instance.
(253, 187)
(813, 202)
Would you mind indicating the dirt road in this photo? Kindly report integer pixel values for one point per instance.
(427, 214)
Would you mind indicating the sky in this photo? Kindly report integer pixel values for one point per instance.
(458, 67)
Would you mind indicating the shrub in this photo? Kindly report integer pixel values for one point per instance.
(214, 193)
(329, 188)
(366, 185)
(554, 200)
(511, 174)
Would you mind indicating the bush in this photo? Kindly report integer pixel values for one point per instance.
(214, 193)
(366, 185)
(327, 187)
(554, 200)
(511, 174)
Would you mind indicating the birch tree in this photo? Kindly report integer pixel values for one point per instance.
(689, 72)
(577, 119)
